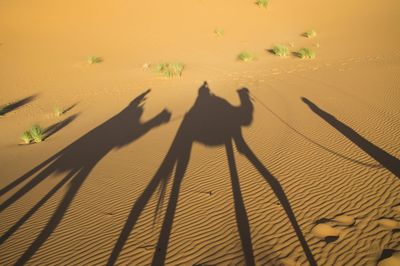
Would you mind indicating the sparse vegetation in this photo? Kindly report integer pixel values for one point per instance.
(310, 34)
(262, 3)
(245, 56)
(219, 32)
(58, 111)
(280, 50)
(305, 53)
(26, 137)
(36, 133)
(94, 60)
(170, 69)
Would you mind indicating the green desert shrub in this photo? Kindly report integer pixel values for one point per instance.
(245, 56)
(219, 32)
(310, 34)
(36, 133)
(58, 111)
(305, 53)
(280, 50)
(26, 137)
(262, 3)
(170, 69)
(94, 60)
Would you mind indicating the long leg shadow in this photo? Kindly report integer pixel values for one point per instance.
(15, 105)
(384, 158)
(77, 160)
(242, 220)
(278, 190)
(211, 121)
(53, 129)
(163, 173)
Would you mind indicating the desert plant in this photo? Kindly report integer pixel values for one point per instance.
(219, 32)
(245, 56)
(305, 53)
(26, 137)
(58, 111)
(262, 3)
(310, 34)
(280, 50)
(94, 60)
(170, 69)
(36, 133)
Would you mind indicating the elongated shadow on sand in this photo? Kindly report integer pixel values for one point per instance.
(384, 158)
(211, 121)
(77, 161)
(53, 129)
(15, 105)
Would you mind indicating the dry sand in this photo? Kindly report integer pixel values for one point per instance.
(316, 183)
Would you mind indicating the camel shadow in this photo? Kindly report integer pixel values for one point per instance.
(384, 158)
(211, 121)
(75, 162)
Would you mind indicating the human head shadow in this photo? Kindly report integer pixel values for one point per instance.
(211, 121)
(75, 162)
(378, 154)
(15, 105)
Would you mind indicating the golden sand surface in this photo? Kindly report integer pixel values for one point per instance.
(276, 161)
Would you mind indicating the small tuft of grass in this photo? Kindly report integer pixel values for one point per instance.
(26, 137)
(280, 50)
(245, 56)
(58, 111)
(219, 32)
(310, 34)
(36, 133)
(94, 60)
(170, 70)
(262, 3)
(305, 53)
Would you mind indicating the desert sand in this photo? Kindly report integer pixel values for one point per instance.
(277, 161)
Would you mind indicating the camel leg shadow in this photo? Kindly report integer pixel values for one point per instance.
(181, 166)
(160, 178)
(244, 149)
(240, 210)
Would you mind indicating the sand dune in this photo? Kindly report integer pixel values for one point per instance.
(278, 161)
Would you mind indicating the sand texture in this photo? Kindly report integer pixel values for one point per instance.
(274, 161)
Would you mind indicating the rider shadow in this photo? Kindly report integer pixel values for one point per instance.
(76, 161)
(211, 121)
(381, 156)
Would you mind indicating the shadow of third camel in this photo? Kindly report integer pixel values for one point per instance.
(384, 158)
(211, 121)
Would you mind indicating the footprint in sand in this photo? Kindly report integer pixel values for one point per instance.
(390, 224)
(389, 257)
(324, 227)
(345, 220)
(326, 232)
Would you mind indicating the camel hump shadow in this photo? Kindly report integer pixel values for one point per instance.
(213, 121)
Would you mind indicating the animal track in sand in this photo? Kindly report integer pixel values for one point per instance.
(326, 232)
(389, 223)
(323, 228)
(389, 257)
(344, 220)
